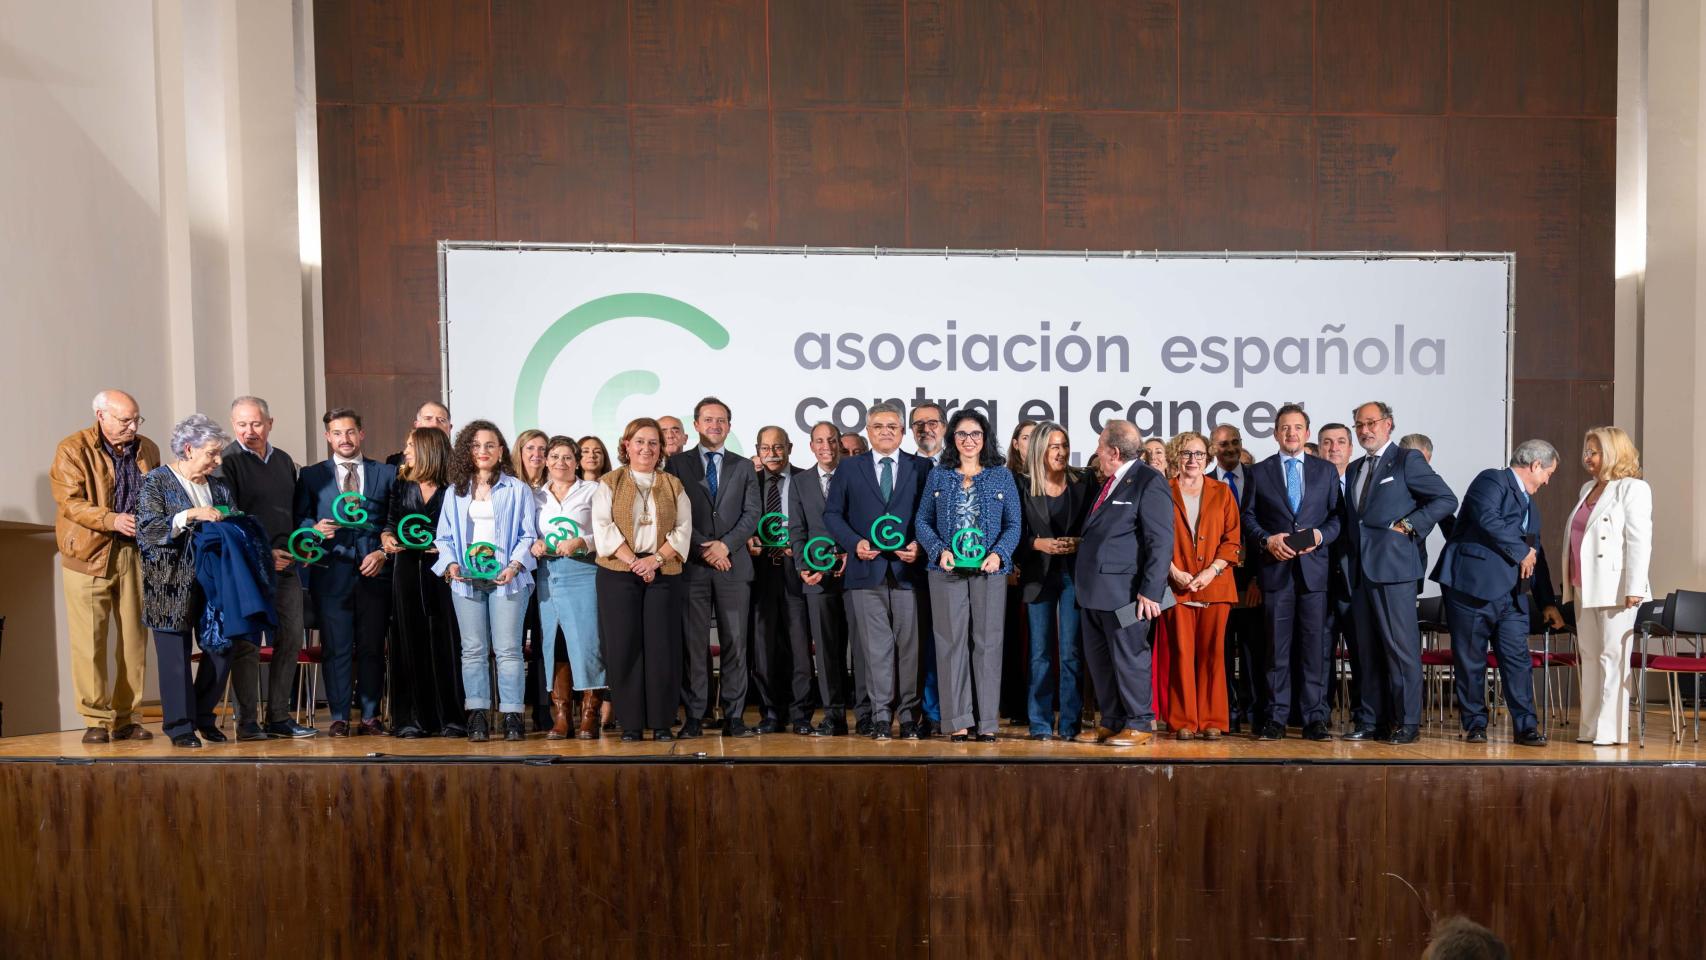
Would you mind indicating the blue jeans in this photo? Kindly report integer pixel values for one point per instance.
(1055, 621)
(492, 623)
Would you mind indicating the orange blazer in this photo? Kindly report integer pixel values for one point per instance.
(1217, 538)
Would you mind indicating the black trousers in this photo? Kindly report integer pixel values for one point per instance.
(1296, 627)
(355, 615)
(781, 642)
(1246, 666)
(1389, 647)
(187, 704)
(639, 625)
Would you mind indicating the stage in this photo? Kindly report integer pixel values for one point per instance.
(786, 846)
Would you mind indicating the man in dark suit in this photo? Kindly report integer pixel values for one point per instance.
(1487, 574)
(781, 639)
(1120, 572)
(1292, 493)
(884, 579)
(351, 585)
(430, 414)
(1246, 695)
(724, 492)
(826, 609)
(1394, 499)
(1336, 446)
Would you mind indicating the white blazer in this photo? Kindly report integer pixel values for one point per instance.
(1616, 546)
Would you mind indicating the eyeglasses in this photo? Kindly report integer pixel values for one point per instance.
(968, 434)
(135, 421)
(1367, 424)
(922, 424)
(1193, 455)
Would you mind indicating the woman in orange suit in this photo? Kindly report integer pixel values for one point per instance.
(1205, 547)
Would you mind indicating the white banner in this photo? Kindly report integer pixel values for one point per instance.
(580, 341)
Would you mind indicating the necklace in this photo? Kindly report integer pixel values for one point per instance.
(643, 498)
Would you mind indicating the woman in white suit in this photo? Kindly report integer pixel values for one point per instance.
(1607, 544)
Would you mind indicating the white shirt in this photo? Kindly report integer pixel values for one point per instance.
(609, 537)
(576, 505)
(1238, 474)
(485, 519)
(823, 478)
(262, 457)
(200, 494)
(877, 465)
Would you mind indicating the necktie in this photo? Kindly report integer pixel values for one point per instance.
(1367, 481)
(1232, 481)
(885, 482)
(1293, 484)
(1103, 495)
(773, 496)
(352, 478)
(712, 459)
(823, 483)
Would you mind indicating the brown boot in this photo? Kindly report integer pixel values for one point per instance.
(589, 715)
(560, 706)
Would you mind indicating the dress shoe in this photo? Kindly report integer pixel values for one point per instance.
(1130, 737)
(212, 734)
(879, 729)
(863, 727)
(408, 733)
(96, 735)
(592, 701)
(957, 738)
(1104, 734)
(1477, 735)
(289, 730)
(802, 728)
(832, 728)
(372, 727)
(338, 729)
(1365, 732)
(735, 727)
(515, 728)
(770, 725)
(1317, 731)
(132, 731)
(1272, 730)
(1531, 738)
(911, 731)
(187, 740)
(1211, 733)
(662, 735)
(479, 726)
(454, 731)
(690, 729)
(632, 736)
(1185, 733)
(1404, 735)
(251, 731)
(928, 727)
(986, 738)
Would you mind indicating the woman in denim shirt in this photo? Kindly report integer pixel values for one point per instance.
(970, 488)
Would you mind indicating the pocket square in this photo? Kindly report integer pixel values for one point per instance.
(1123, 503)
(1387, 480)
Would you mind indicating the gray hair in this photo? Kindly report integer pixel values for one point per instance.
(1385, 411)
(194, 432)
(1530, 452)
(256, 402)
(1417, 441)
(1122, 435)
(825, 423)
(787, 441)
(104, 399)
(884, 407)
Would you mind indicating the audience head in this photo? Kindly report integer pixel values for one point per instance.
(641, 446)
(1312, 448)
(774, 449)
(1336, 445)
(197, 442)
(1155, 454)
(434, 415)
(1050, 450)
(1227, 445)
(1460, 938)
(1291, 429)
(251, 423)
(1246, 458)
(970, 432)
(1119, 443)
(712, 418)
(1534, 461)
(674, 435)
(1373, 423)
(1609, 454)
(595, 459)
(530, 447)
(1016, 445)
(852, 444)
(344, 433)
(117, 415)
(480, 452)
(426, 456)
(882, 426)
(826, 444)
(1418, 441)
(927, 429)
(1188, 453)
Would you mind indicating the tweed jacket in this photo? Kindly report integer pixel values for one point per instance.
(171, 600)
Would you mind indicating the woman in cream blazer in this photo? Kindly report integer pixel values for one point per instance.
(1607, 544)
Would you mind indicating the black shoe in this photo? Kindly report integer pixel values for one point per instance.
(632, 736)
(928, 728)
(689, 730)
(479, 726)
(1272, 730)
(289, 730)
(1365, 732)
(770, 725)
(910, 731)
(251, 731)
(514, 727)
(212, 734)
(986, 738)
(408, 733)
(1477, 735)
(957, 738)
(454, 731)
(802, 728)
(1403, 735)
(735, 728)
(1531, 738)
(187, 740)
(1317, 731)
(863, 727)
(662, 735)
(879, 730)
(339, 729)
(832, 728)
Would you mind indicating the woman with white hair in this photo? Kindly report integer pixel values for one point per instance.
(175, 497)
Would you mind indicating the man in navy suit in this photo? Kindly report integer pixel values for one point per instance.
(1293, 493)
(884, 579)
(1487, 573)
(1393, 500)
(1120, 572)
(351, 586)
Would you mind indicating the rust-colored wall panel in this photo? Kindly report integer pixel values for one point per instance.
(419, 51)
(387, 402)
(1246, 182)
(333, 59)
(341, 274)
(563, 175)
(974, 53)
(1534, 57)
(1380, 183)
(840, 178)
(560, 51)
(1386, 57)
(847, 53)
(701, 176)
(1110, 54)
(1246, 55)
(699, 52)
(976, 180)
(1559, 412)
(1110, 181)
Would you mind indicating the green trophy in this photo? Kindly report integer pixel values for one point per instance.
(888, 532)
(481, 561)
(226, 511)
(350, 510)
(969, 550)
(306, 545)
(773, 530)
(562, 528)
(415, 531)
(819, 554)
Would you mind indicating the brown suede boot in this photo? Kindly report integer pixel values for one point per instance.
(560, 706)
(590, 725)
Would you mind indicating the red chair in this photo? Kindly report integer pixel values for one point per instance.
(1683, 612)
(1438, 666)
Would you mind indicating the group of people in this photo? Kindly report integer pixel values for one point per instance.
(924, 592)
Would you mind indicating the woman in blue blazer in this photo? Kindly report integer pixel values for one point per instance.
(968, 526)
(485, 551)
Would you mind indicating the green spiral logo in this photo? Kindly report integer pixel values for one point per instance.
(482, 561)
(888, 532)
(968, 547)
(562, 528)
(773, 530)
(348, 509)
(415, 531)
(306, 545)
(819, 554)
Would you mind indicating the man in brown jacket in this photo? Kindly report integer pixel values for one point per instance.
(97, 473)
